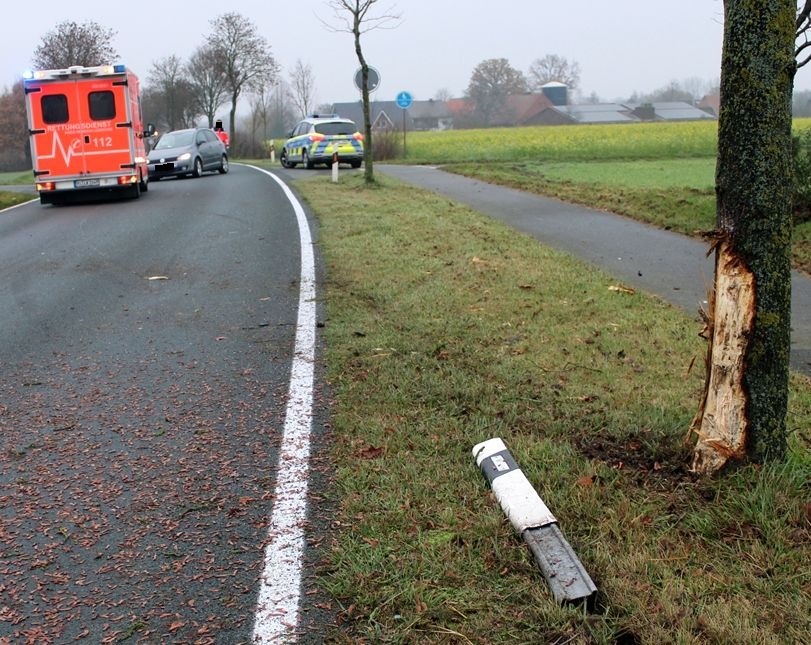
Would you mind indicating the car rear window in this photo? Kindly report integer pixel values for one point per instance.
(336, 128)
(175, 140)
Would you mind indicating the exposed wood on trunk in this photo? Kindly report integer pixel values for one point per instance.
(721, 423)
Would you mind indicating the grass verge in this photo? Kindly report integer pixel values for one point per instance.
(445, 328)
(24, 178)
(666, 193)
(8, 198)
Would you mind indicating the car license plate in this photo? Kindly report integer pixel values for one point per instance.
(164, 167)
(86, 183)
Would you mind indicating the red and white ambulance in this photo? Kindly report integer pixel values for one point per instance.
(86, 132)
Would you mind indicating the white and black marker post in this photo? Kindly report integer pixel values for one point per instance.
(568, 580)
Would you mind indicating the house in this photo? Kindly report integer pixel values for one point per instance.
(518, 110)
(669, 111)
(589, 113)
(711, 104)
(387, 115)
(431, 115)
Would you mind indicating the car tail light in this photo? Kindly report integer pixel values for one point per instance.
(317, 137)
(358, 136)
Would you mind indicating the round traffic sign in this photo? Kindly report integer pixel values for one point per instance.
(404, 100)
(372, 80)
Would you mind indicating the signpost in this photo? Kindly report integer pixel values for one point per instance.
(404, 100)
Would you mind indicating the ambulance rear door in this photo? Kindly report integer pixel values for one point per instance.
(80, 129)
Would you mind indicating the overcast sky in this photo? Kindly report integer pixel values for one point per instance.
(622, 46)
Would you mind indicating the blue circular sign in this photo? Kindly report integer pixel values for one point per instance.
(404, 100)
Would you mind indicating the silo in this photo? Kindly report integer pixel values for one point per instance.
(556, 92)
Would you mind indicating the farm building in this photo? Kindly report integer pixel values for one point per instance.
(387, 115)
(544, 108)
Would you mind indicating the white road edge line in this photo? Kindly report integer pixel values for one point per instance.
(277, 607)
(11, 208)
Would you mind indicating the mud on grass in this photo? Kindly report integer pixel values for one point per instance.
(444, 329)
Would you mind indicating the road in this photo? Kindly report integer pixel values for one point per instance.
(145, 371)
(144, 368)
(672, 266)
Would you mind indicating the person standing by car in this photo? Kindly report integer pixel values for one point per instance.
(222, 134)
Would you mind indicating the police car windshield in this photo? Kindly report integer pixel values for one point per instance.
(333, 128)
(175, 140)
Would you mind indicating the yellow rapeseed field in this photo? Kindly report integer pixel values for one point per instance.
(567, 142)
(632, 141)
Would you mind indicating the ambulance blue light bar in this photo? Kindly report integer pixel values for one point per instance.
(74, 71)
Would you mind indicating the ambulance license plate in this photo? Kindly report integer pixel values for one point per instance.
(86, 183)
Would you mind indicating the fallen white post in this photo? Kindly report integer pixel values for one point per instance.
(567, 578)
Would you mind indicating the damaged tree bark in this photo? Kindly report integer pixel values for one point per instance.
(743, 410)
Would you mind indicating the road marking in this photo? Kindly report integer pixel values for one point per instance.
(277, 607)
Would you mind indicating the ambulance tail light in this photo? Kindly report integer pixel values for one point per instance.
(126, 180)
(45, 186)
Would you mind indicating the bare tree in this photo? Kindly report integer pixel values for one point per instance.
(673, 91)
(356, 18)
(282, 117)
(802, 23)
(169, 93)
(15, 153)
(209, 85)
(302, 87)
(743, 411)
(492, 81)
(554, 68)
(71, 43)
(261, 107)
(245, 57)
(443, 94)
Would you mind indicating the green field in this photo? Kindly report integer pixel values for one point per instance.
(660, 173)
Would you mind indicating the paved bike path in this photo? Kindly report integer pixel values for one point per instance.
(672, 266)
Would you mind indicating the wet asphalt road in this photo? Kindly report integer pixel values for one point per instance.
(144, 366)
(672, 266)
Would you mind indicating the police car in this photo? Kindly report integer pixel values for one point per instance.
(318, 137)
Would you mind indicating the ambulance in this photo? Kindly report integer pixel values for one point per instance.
(86, 132)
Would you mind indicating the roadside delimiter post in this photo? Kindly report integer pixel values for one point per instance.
(567, 578)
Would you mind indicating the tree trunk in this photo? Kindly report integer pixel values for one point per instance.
(368, 161)
(743, 411)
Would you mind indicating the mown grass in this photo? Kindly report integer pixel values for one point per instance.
(16, 178)
(9, 198)
(445, 328)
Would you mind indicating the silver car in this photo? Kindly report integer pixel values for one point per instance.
(191, 152)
